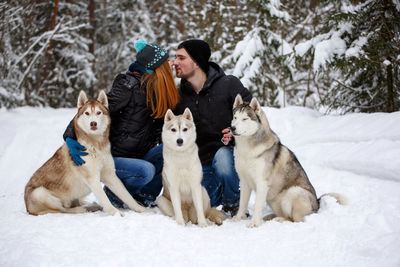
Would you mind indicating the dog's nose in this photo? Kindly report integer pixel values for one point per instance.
(93, 124)
(179, 141)
(233, 128)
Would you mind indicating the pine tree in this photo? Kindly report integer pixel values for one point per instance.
(67, 66)
(372, 59)
(368, 64)
(119, 25)
(262, 61)
(168, 21)
(49, 62)
(50, 50)
(308, 88)
(19, 47)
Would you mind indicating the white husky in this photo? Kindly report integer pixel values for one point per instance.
(182, 174)
(269, 168)
(60, 186)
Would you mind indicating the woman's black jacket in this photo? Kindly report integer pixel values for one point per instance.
(133, 130)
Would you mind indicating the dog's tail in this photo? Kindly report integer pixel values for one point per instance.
(215, 216)
(341, 199)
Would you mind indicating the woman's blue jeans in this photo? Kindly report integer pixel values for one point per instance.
(221, 179)
(142, 177)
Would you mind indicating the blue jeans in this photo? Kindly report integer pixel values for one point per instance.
(221, 180)
(142, 177)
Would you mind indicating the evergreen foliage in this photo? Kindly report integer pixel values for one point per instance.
(370, 66)
(329, 55)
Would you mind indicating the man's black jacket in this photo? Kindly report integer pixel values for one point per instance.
(211, 108)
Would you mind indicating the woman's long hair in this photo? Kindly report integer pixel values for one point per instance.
(161, 91)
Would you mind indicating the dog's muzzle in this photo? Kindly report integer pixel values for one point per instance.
(233, 131)
(179, 141)
(93, 125)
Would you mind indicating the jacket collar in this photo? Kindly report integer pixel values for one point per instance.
(214, 73)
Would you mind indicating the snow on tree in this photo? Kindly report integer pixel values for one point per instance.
(261, 57)
(328, 55)
(363, 42)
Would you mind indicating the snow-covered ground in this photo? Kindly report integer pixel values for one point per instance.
(357, 155)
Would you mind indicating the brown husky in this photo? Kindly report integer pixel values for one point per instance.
(59, 185)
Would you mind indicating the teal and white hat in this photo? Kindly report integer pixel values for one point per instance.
(150, 56)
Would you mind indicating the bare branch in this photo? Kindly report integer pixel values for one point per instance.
(36, 57)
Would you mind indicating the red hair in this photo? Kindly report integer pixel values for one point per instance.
(161, 91)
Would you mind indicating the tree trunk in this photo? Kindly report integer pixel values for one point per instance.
(53, 22)
(48, 57)
(92, 36)
(390, 89)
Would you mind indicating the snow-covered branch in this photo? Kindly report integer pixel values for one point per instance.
(36, 57)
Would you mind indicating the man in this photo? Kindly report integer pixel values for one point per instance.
(209, 94)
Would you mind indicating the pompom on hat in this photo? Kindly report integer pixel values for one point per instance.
(150, 56)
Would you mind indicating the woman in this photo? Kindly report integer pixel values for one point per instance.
(138, 101)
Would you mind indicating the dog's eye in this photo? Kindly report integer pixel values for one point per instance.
(87, 113)
(98, 112)
(185, 129)
(173, 129)
(245, 119)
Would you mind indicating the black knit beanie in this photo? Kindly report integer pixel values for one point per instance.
(199, 51)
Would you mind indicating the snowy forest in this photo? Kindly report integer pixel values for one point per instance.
(332, 56)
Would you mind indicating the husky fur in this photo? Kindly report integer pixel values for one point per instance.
(183, 195)
(269, 168)
(60, 186)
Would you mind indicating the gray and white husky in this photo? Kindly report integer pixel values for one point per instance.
(269, 168)
(184, 197)
(60, 186)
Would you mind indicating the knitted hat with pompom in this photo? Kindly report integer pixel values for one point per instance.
(150, 56)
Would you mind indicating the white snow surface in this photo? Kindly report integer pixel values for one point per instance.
(357, 155)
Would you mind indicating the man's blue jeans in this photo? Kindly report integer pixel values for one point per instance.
(221, 179)
(142, 177)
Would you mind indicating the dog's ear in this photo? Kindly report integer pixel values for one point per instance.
(238, 101)
(255, 105)
(169, 115)
(82, 99)
(187, 114)
(102, 98)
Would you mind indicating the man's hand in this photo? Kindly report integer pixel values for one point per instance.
(76, 150)
(227, 136)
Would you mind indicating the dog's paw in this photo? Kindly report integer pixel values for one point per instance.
(216, 221)
(254, 223)
(180, 221)
(93, 207)
(236, 218)
(269, 217)
(139, 208)
(114, 212)
(239, 217)
(203, 224)
(118, 214)
(279, 219)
